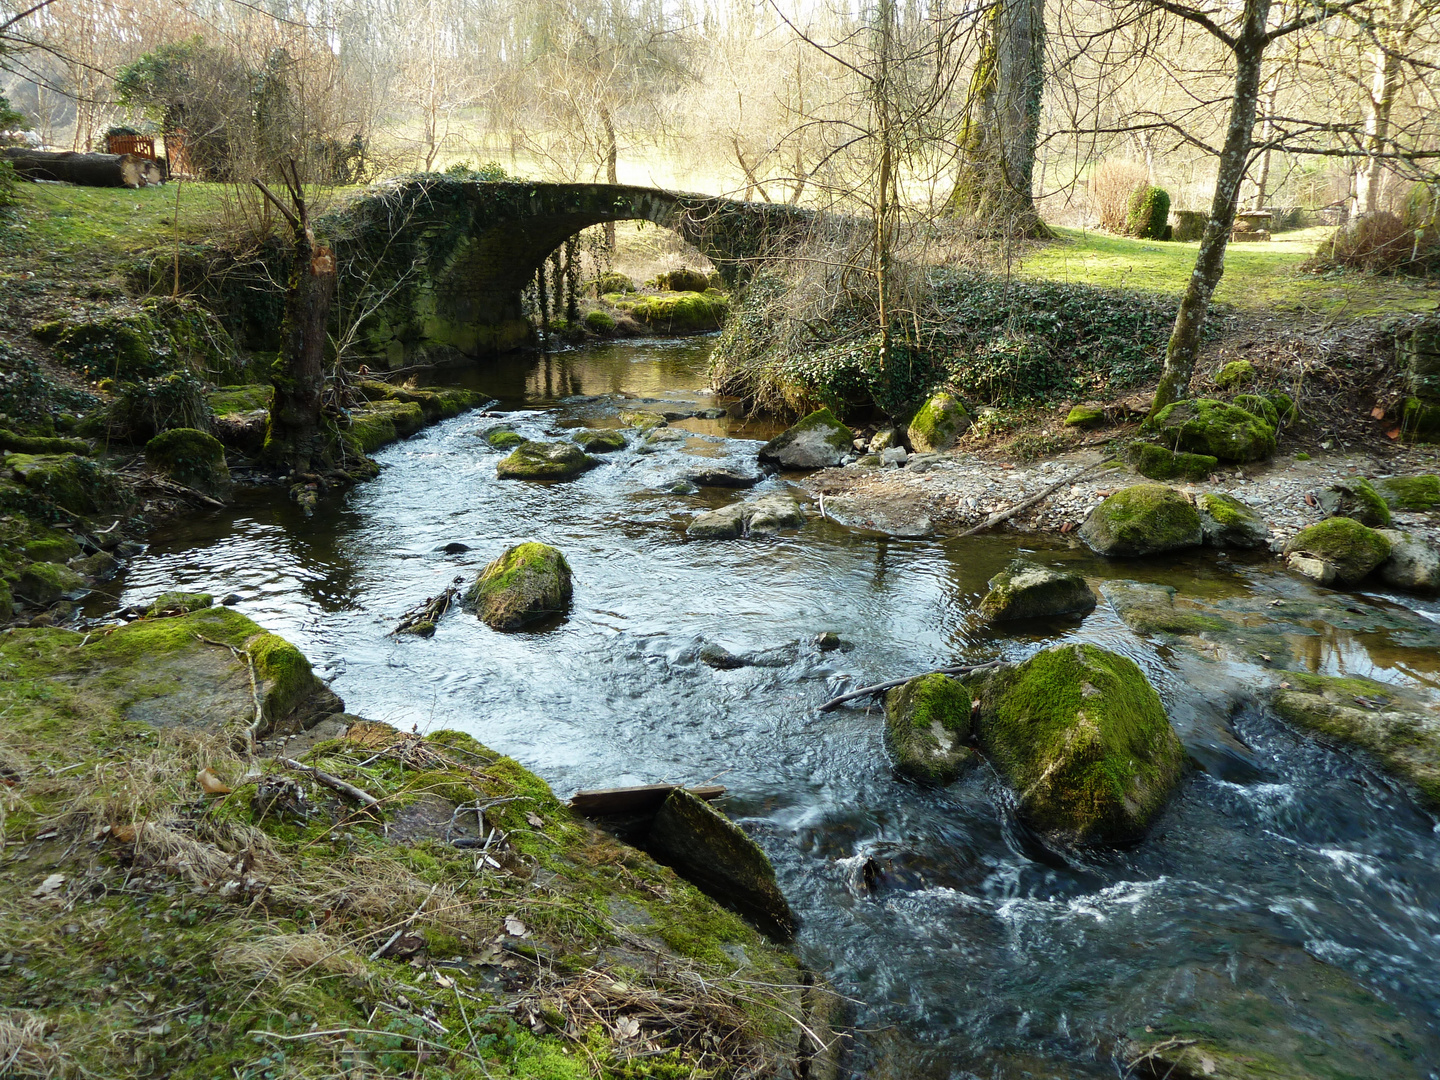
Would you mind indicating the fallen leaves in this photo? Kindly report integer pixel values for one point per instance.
(50, 885)
(515, 927)
(212, 784)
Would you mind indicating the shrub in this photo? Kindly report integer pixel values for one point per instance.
(1147, 212)
(142, 410)
(1111, 185)
(1378, 242)
(7, 184)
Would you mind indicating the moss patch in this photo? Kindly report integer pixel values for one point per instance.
(1236, 373)
(1144, 519)
(75, 483)
(1205, 426)
(681, 312)
(598, 441)
(1085, 416)
(940, 421)
(1351, 548)
(1081, 736)
(180, 603)
(240, 399)
(545, 461)
(192, 458)
(1410, 492)
(528, 582)
(927, 724)
(1161, 463)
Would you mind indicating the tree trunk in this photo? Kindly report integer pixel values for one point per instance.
(1184, 343)
(1385, 82)
(1003, 121)
(294, 438)
(90, 170)
(1267, 132)
(612, 169)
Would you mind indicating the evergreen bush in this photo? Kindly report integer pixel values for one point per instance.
(1148, 212)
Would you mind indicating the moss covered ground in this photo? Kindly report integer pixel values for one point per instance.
(172, 906)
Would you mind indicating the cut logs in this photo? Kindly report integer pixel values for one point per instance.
(89, 170)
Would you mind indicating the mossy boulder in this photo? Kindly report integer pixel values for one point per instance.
(50, 545)
(683, 280)
(598, 441)
(1085, 416)
(1025, 590)
(1337, 550)
(712, 852)
(927, 726)
(1145, 519)
(180, 603)
(545, 461)
(75, 483)
(1355, 712)
(681, 312)
(1414, 562)
(1410, 492)
(504, 437)
(43, 583)
(1205, 426)
(40, 444)
(228, 400)
(613, 282)
(940, 421)
(1355, 498)
(191, 458)
(642, 419)
(1082, 738)
(1226, 522)
(599, 321)
(1236, 373)
(527, 583)
(1162, 463)
(407, 417)
(817, 441)
(369, 430)
(1286, 411)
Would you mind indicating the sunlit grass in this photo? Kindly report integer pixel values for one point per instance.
(1262, 276)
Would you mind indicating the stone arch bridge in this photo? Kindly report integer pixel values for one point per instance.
(432, 269)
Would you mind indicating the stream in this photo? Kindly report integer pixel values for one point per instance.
(1280, 864)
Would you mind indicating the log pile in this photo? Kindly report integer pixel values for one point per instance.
(88, 170)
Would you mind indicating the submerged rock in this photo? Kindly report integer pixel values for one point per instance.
(1338, 550)
(504, 437)
(1355, 498)
(712, 852)
(1410, 492)
(191, 458)
(1414, 562)
(545, 461)
(528, 582)
(1025, 590)
(1359, 713)
(719, 657)
(719, 476)
(1145, 519)
(1150, 609)
(927, 724)
(818, 441)
(1081, 736)
(767, 514)
(937, 425)
(1206, 426)
(1226, 522)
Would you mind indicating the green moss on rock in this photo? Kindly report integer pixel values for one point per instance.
(599, 321)
(503, 438)
(1228, 523)
(1420, 422)
(528, 582)
(1150, 609)
(816, 441)
(180, 603)
(1410, 492)
(1081, 736)
(1205, 426)
(39, 444)
(50, 545)
(42, 583)
(1025, 590)
(927, 726)
(75, 483)
(682, 312)
(940, 421)
(1235, 373)
(1258, 405)
(545, 461)
(1352, 550)
(192, 458)
(1161, 463)
(371, 430)
(598, 441)
(240, 399)
(1145, 519)
(1085, 416)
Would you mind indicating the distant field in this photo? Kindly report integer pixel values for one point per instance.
(1262, 276)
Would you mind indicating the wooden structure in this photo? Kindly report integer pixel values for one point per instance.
(142, 146)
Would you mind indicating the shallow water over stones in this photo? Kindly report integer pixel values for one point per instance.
(1289, 888)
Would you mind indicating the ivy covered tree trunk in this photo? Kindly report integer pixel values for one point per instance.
(1184, 345)
(294, 438)
(1003, 121)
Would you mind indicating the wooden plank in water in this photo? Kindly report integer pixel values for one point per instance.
(635, 800)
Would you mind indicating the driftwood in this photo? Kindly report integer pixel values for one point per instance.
(89, 170)
(880, 688)
(635, 800)
(429, 611)
(1025, 504)
(335, 782)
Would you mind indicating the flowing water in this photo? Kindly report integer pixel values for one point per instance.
(1280, 863)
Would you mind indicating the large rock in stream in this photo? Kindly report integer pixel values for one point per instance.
(1414, 562)
(527, 583)
(1338, 550)
(1144, 519)
(818, 441)
(1026, 590)
(1081, 736)
(758, 517)
(545, 461)
(927, 724)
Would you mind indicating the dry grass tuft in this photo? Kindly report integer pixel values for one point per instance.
(23, 1049)
(282, 954)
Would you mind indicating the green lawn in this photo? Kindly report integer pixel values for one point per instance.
(1262, 276)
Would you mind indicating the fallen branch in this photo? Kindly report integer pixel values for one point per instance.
(333, 782)
(880, 688)
(401, 928)
(430, 611)
(1025, 504)
(172, 488)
